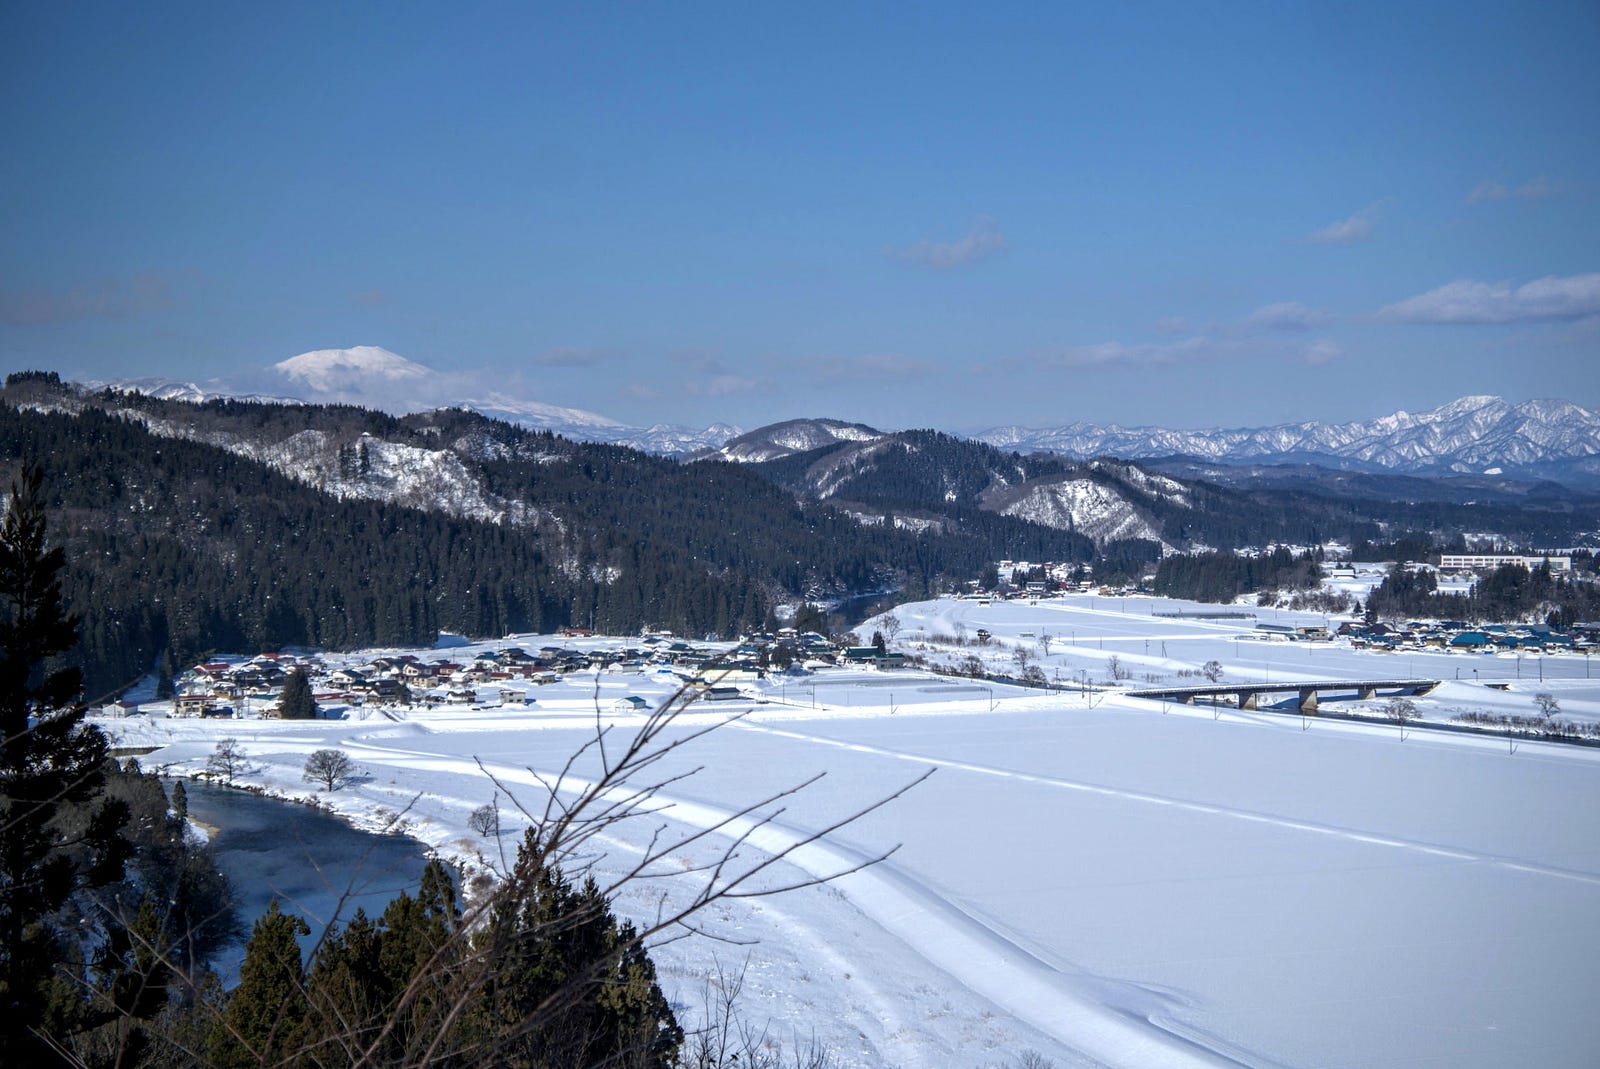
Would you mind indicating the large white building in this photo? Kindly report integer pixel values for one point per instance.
(1482, 562)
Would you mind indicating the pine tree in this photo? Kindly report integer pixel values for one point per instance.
(50, 763)
(180, 800)
(264, 1020)
(570, 984)
(297, 702)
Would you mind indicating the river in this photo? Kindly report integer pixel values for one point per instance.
(314, 864)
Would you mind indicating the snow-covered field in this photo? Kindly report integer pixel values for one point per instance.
(1096, 878)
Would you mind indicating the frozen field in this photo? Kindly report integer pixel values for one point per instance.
(1084, 875)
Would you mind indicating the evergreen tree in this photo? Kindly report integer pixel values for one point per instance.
(51, 768)
(570, 984)
(265, 1016)
(180, 800)
(297, 702)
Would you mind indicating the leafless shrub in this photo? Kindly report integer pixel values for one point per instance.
(485, 820)
(227, 760)
(726, 1039)
(1401, 711)
(331, 768)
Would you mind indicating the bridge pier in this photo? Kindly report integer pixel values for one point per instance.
(1366, 694)
(1247, 699)
(1308, 699)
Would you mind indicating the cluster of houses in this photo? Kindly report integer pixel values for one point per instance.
(1458, 636)
(504, 676)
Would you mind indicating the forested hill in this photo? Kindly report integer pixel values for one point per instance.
(244, 526)
(926, 476)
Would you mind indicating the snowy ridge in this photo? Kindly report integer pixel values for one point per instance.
(1467, 434)
(671, 440)
(1148, 481)
(1083, 505)
(428, 479)
(789, 437)
(177, 390)
(830, 474)
(534, 415)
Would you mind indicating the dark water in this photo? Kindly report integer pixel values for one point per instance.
(312, 863)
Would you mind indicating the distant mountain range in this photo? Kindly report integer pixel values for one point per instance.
(1544, 439)
(1473, 435)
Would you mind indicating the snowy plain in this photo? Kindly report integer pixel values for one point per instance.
(1100, 879)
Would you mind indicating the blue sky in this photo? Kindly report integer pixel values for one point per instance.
(955, 215)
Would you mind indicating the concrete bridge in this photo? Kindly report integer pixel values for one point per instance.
(1247, 694)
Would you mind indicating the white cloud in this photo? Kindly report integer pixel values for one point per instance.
(1322, 352)
(1115, 352)
(981, 242)
(1288, 316)
(1533, 189)
(1466, 301)
(727, 385)
(1356, 228)
(574, 357)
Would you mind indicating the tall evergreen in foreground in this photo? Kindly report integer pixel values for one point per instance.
(551, 980)
(58, 834)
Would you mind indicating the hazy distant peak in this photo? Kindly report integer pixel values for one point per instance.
(327, 370)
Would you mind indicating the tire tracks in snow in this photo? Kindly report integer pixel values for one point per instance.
(1111, 1022)
(1190, 805)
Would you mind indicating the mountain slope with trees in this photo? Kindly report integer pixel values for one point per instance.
(186, 541)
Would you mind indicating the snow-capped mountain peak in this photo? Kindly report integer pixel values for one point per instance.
(327, 370)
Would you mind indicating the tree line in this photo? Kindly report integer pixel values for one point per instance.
(1510, 593)
(1220, 577)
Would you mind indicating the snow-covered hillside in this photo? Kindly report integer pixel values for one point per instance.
(1080, 504)
(370, 469)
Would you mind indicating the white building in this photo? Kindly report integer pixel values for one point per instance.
(1483, 562)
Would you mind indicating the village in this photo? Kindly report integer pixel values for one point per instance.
(509, 675)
